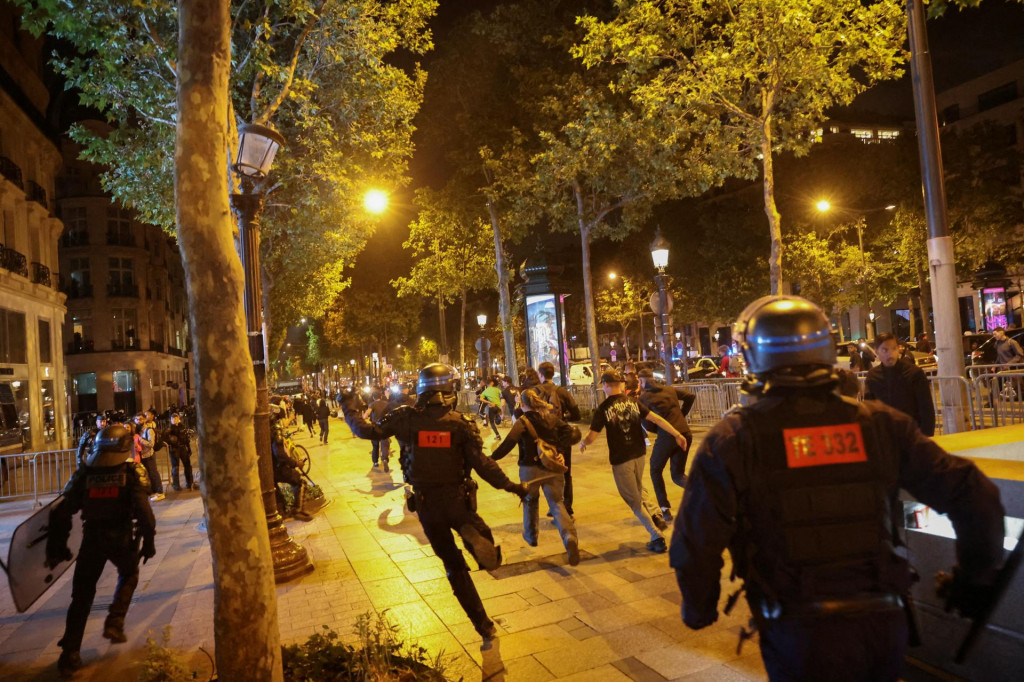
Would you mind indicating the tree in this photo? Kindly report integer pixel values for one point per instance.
(622, 305)
(316, 70)
(370, 318)
(245, 602)
(766, 71)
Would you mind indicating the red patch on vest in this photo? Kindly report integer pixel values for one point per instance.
(104, 493)
(822, 445)
(435, 439)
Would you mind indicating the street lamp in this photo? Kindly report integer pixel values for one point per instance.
(257, 146)
(483, 345)
(352, 369)
(375, 201)
(659, 254)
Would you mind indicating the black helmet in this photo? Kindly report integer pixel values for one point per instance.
(111, 447)
(436, 384)
(787, 339)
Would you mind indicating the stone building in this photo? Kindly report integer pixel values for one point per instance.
(33, 401)
(127, 323)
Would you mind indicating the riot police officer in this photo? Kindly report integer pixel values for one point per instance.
(801, 485)
(111, 491)
(85, 443)
(439, 447)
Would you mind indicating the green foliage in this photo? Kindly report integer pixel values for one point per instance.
(163, 664)
(368, 317)
(379, 656)
(316, 70)
(622, 302)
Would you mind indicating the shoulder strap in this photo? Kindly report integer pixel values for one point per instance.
(529, 427)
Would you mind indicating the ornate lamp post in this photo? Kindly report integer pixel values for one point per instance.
(659, 254)
(257, 146)
(483, 345)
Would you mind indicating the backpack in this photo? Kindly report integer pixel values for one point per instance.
(550, 458)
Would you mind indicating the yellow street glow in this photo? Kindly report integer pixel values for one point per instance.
(375, 201)
(823, 205)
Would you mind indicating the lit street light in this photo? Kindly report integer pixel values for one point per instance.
(659, 255)
(483, 345)
(257, 146)
(375, 201)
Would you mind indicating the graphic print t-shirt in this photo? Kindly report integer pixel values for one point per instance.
(622, 415)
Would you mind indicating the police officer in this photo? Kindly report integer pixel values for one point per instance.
(665, 402)
(286, 470)
(801, 486)
(439, 448)
(110, 491)
(85, 443)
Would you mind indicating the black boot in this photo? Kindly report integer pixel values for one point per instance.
(113, 629)
(68, 663)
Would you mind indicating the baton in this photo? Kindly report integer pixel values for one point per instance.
(1002, 583)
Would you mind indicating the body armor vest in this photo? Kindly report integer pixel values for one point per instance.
(107, 494)
(433, 445)
(816, 522)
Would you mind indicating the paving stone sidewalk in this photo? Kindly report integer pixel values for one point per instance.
(613, 617)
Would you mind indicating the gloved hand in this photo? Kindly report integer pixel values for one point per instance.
(697, 621)
(969, 598)
(57, 556)
(519, 489)
(148, 550)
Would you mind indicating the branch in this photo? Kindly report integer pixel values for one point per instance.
(286, 88)
(159, 43)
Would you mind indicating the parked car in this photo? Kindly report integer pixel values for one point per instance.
(703, 367)
(580, 372)
(985, 353)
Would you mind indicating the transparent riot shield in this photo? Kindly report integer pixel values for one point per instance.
(27, 574)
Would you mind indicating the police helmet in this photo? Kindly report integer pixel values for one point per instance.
(111, 447)
(436, 385)
(786, 341)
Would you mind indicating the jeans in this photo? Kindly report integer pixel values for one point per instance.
(156, 484)
(493, 419)
(666, 451)
(629, 479)
(184, 456)
(381, 450)
(553, 489)
(324, 427)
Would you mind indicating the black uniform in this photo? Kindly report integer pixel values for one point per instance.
(439, 447)
(664, 401)
(801, 487)
(110, 498)
(180, 451)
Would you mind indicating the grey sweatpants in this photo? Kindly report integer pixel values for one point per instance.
(629, 479)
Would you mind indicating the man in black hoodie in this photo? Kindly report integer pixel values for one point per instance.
(901, 385)
(671, 404)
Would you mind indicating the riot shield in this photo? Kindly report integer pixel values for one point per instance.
(27, 574)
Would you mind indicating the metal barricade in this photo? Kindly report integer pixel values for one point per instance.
(585, 396)
(709, 405)
(975, 371)
(468, 400)
(31, 474)
(953, 398)
(999, 399)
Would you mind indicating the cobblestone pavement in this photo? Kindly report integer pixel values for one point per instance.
(613, 617)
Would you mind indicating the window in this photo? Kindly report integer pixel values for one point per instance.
(45, 350)
(126, 386)
(123, 333)
(49, 412)
(119, 227)
(84, 386)
(13, 342)
(81, 333)
(75, 219)
(888, 134)
(862, 134)
(121, 278)
(80, 271)
(950, 114)
(996, 96)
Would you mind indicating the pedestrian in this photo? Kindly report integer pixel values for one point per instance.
(111, 493)
(509, 396)
(622, 415)
(323, 416)
(566, 408)
(490, 397)
(379, 448)
(1008, 351)
(440, 447)
(798, 484)
(901, 385)
(179, 448)
(924, 344)
(724, 361)
(540, 421)
(147, 440)
(308, 413)
(665, 401)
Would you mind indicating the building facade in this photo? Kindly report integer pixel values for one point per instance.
(33, 400)
(127, 323)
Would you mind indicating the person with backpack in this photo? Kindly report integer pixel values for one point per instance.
(543, 438)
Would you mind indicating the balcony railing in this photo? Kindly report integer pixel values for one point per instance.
(14, 261)
(158, 346)
(127, 290)
(81, 346)
(41, 274)
(120, 239)
(176, 351)
(75, 290)
(36, 193)
(128, 343)
(71, 239)
(11, 171)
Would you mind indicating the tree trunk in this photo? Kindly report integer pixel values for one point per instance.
(504, 300)
(588, 290)
(842, 332)
(912, 316)
(462, 335)
(625, 339)
(770, 210)
(245, 603)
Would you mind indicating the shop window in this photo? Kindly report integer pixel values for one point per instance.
(84, 386)
(49, 412)
(126, 390)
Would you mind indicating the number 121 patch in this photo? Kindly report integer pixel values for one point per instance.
(822, 445)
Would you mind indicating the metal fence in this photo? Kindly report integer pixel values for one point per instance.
(999, 399)
(953, 398)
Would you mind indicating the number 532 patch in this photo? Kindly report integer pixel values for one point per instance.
(822, 445)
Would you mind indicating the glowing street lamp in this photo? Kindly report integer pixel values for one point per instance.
(659, 255)
(375, 201)
(483, 345)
